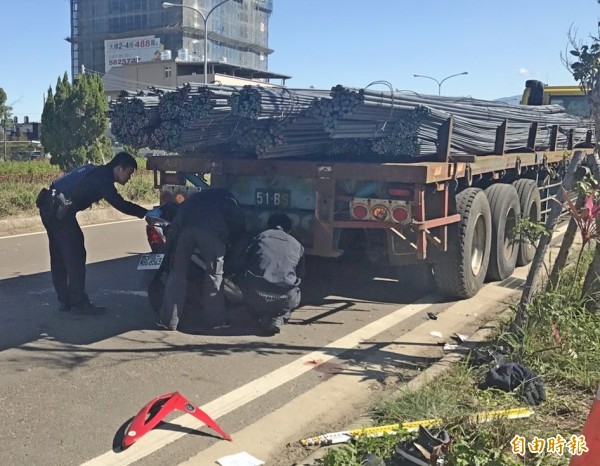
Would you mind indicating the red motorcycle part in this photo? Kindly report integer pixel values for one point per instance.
(156, 238)
(155, 411)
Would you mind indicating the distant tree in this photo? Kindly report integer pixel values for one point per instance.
(5, 118)
(74, 122)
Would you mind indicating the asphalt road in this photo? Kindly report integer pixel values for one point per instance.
(70, 383)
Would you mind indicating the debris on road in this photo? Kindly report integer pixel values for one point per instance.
(240, 459)
(460, 337)
(391, 429)
(512, 376)
(160, 407)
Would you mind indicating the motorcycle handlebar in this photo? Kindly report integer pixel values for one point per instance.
(156, 221)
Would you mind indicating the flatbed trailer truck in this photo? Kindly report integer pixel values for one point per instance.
(454, 214)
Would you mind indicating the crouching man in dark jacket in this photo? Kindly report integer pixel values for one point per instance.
(274, 267)
(203, 225)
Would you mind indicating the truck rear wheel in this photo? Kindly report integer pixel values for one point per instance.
(506, 210)
(460, 272)
(531, 208)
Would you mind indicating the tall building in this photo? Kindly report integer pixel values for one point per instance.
(107, 33)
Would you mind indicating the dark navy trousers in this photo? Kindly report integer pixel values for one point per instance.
(67, 257)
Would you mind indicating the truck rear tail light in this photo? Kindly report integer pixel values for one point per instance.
(400, 214)
(380, 212)
(360, 211)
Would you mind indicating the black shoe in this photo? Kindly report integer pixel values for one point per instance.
(272, 326)
(64, 307)
(426, 450)
(89, 309)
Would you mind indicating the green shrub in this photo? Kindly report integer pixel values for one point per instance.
(20, 183)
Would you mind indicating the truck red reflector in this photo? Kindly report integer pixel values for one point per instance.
(400, 214)
(398, 192)
(359, 211)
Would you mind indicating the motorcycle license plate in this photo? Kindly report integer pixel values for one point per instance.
(150, 261)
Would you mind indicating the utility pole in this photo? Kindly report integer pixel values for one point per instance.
(4, 120)
(439, 83)
(205, 19)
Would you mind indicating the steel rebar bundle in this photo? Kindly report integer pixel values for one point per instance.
(363, 113)
(257, 102)
(273, 122)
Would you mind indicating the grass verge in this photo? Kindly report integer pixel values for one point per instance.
(561, 344)
(20, 183)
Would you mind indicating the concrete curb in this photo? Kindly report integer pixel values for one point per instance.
(32, 224)
(427, 376)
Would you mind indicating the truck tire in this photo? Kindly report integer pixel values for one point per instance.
(531, 207)
(506, 209)
(459, 273)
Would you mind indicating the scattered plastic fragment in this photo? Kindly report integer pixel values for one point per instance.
(432, 316)
(240, 459)
(461, 337)
(155, 411)
(450, 347)
(436, 334)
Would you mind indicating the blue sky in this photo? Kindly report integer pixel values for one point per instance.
(322, 43)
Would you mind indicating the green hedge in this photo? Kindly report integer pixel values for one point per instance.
(20, 182)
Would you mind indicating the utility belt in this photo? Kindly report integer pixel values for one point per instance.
(53, 204)
(272, 297)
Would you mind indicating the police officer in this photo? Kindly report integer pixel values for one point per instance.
(204, 225)
(69, 194)
(274, 269)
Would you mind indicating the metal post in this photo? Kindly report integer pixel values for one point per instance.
(205, 48)
(5, 135)
(205, 19)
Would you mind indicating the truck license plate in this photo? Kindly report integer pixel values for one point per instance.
(150, 261)
(272, 197)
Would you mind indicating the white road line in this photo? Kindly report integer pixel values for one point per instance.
(43, 232)
(156, 439)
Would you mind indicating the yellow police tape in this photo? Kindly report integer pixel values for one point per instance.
(391, 429)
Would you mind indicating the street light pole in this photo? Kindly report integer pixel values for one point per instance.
(439, 83)
(205, 19)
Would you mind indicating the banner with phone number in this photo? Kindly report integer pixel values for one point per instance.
(131, 50)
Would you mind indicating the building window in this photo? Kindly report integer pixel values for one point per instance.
(168, 72)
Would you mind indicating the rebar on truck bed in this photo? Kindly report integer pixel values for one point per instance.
(274, 122)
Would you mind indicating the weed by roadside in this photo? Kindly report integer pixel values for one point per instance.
(20, 183)
(561, 344)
